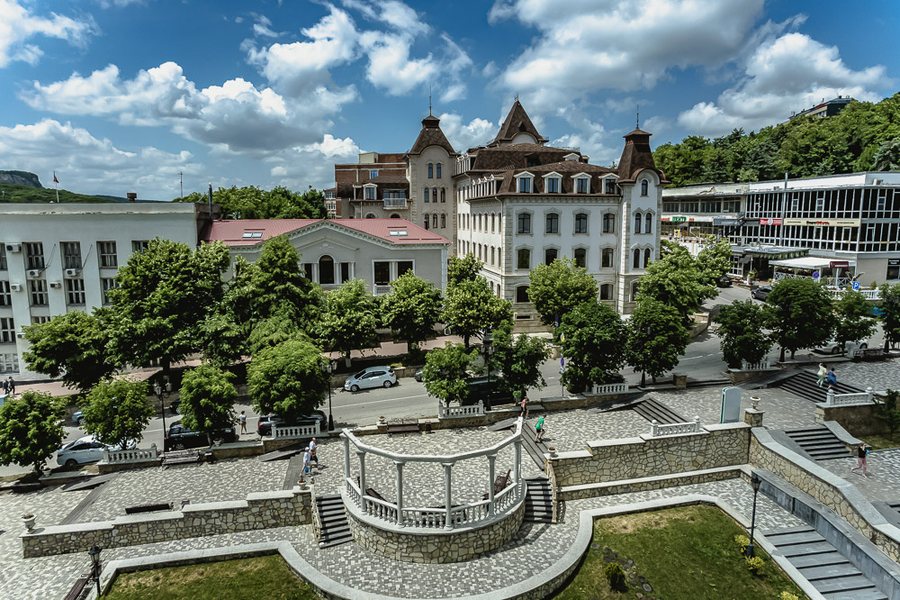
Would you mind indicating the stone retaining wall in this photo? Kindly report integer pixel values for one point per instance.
(832, 491)
(260, 510)
(628, 486)
(633, 458)
(858, 419)
(455, 545)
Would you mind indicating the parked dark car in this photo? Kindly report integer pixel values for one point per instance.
(418, 375)
(180, 437)
(491, 392)
(762, 292)
(264, 425)
(724, 281)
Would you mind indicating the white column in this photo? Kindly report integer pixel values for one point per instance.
(361, 454)
(492, 459)
(346, 456)
(399, 464)
(517, 445)
(448, 496)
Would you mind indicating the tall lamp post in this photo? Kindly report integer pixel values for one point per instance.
(94, 553)
(754, 482)
(330, 368)
(162, 392)
(487, 347)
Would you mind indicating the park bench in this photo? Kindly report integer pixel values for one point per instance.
(403, 427)
(500, 483)
(144, 508)
(181, 457)
(78, 589)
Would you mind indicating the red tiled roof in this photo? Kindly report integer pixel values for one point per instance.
(232, 233)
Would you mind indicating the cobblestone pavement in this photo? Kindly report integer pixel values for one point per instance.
(879, 375)
(883, 480)
(573, 429)
(782, 409)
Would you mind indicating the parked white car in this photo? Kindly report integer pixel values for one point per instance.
(371, 377)
(834, 347)
(81, 452)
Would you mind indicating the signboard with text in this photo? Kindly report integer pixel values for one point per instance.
(823, 222)
(765, 221)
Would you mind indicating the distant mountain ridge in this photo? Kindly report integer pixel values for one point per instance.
(23, 178)
(25, 188)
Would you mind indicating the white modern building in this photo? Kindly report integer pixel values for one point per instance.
(333, 251)
(522, 203)
(55, 258)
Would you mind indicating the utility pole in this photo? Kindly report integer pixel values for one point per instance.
(181, 180)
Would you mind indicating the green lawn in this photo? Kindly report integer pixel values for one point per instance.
(264, 577)
(686, 552)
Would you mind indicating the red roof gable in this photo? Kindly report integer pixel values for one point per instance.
(249, 232)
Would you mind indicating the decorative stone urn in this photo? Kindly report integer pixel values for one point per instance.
(28, 521)
(552, 450)
(754, 402)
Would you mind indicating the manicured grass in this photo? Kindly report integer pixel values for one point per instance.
(687, 552)
(879, 442)
(266, 577)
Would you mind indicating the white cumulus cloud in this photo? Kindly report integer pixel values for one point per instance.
(19, 23)
(463, 136)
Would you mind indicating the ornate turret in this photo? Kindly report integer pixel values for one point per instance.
(636, 156)
(431, 135)
(517, 121)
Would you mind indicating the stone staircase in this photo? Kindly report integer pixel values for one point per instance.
(538, 500)
(803, 384)
(534, 449)
(819, 443)
(822, 565)
(334, 528)
(654, 410)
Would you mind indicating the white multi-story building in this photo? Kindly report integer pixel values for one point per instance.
(521, 203)
(55, 258)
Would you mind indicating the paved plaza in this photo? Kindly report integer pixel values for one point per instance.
(534, 548)
(879, 375)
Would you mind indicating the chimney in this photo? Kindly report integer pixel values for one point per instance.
(132, 196)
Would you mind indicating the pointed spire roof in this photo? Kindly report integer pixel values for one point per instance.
(636, 156)
(517, 121)
(431, 135)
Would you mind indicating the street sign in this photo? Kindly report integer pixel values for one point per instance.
(816, 275)
(856, 286)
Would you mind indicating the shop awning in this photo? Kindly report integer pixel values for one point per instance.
(809, 262)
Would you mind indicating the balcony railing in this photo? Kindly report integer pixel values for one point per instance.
(395, 203)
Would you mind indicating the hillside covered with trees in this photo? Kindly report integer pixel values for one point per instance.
(865, 136)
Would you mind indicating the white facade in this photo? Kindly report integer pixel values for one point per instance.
(55, 258)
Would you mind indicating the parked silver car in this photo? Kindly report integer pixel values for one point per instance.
(81, 452)
(371, 377)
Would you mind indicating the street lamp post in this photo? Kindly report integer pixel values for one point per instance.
(487, 346)
(754, 482)
(330, 368)
(94, 553)
(161, 393)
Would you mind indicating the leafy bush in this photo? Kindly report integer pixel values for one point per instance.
(742, 542)
(786, 595)
(756, 565)
(615, 576)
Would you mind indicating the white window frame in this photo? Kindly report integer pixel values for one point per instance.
(520, 178)
(555, 176)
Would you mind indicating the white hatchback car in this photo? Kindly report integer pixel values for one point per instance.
(81, 452)
(371, 377)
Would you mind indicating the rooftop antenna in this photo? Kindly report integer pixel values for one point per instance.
(429, 100)
(637, 116)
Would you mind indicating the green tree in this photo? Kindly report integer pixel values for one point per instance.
(656, 338)
(412, 308)
(591, 336)
(251, 202)
(675, 280)
(207, 400)
(463, 268)
(887, 157)
(713, 262)
(72, 346)
(741, 333)
(222, 340)
(446, 372)
(518, 358)
(118, 411)
(471, 307)
(30, 430)
(890, 314)
(273, 331)
(852, 318)
(280, 287)
(289, 379)
(164, 293)
(348, 321)
(887, 412)
(558, 288)
(800, 315)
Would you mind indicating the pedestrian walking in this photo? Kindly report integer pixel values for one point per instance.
(821, 374)
(862, 452)
(12, 386)
(306, 458)
(831, 378)
(523, 407)
(243, 421)
(539, 429)
(313, 452)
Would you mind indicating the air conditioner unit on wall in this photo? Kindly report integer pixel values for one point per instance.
(72, 272)
(55, 284)
(16, 287)
(34, 272)
(14, 247)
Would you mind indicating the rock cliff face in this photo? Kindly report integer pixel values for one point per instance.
(20, 178)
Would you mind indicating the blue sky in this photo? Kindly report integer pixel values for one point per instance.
(123, 95)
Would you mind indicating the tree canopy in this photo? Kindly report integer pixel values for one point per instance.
(471, 307)
(348, 321)
(591, 336)
(446, 372)
(714, 261)
(289, 379)
(742, 336)
(117, 411)
(676, 281)
(463, 268)
(657, 337)
(280, 287)
(251, 202)
(412, 308)
(207, 400)
(30, 430)
(800, 314)
(558, 288)
(852, 318)
(890, 314)
(518, 358)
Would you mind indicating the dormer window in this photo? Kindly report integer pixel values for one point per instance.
(369, 192)
(552, 183)
(610, 185)
(572, 157)
(645, 187)
(582, 185)
(523, 183)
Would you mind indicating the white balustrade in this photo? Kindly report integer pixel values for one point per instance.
(859, 398)
(609, 389)
(451, 412)
(660, 430)
(295, 432)
(130, 456)
(447, 517)
(758, 366)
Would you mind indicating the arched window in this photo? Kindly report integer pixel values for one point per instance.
(395, 216)
(637, 222)
(606, 258)
(370, 216)
(326, 270)
(523, 258)
(522, 293)
(606, 291)
(443, 194)
(635, 287)
(439, 168)
(647, 254)
(434, 195)
(443, 220)
(524, 223)
(552, 223)
(609, 223)
(636, 259)
(550, 254)
(648, 223)
(645, 187)
(581, 223)
(434, 220)
(426, 195)
(492, 256)
(581, 257)
(430, 170)
(427, 222)
(493, 223)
